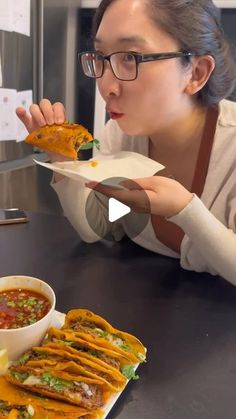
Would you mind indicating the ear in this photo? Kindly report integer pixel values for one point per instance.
(202, 68)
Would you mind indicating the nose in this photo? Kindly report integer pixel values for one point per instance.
(108, 84)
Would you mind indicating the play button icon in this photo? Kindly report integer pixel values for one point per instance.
(117, 210)
(108, 214)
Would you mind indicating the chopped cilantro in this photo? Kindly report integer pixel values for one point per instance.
(24, 358)
(90, 145)
(129, 373)
(142, 357)
(56, 383)
(19, 376)
(125, 347)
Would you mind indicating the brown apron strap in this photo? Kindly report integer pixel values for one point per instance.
(204, 153)
(167, 232)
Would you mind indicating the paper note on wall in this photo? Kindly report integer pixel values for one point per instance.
(24, 99)
(11, 128)
(20, 16)
(15, 16)
(8, 125)
(5, 24)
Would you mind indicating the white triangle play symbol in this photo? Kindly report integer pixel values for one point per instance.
(117, 210)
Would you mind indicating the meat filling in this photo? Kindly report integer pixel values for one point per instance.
(86, 395)
(96, 332)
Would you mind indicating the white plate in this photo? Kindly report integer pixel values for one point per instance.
(58, 321)
(125, 164)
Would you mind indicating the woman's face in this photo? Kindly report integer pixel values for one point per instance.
(156, 99)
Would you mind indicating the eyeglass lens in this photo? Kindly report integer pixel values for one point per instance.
(123, 65)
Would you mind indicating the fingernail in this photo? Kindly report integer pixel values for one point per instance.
(59, 120)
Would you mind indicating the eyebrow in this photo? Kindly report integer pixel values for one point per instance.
(134, 39)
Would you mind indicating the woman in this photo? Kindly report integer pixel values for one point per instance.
(164, 89)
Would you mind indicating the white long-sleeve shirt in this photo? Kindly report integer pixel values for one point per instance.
(209, 223)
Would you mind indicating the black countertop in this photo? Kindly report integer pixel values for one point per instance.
(186, 320)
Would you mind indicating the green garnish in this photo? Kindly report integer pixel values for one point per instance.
(20, 376)
(24, 358)
(129, 373)
(31, 301)
(66, 342)
(141, 357)
(90, 145)
(125, 347)
(57, 383)
(101, 333)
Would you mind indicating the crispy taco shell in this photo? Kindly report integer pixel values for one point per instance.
(85, 392)
(73, 363)
(93, 328)
(74, 344)
(14, 397)
(64, 139)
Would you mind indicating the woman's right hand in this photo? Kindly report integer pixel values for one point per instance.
(45, 113)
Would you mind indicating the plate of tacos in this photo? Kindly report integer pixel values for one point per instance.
(79, 370)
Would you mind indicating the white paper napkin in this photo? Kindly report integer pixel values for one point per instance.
(126, 164)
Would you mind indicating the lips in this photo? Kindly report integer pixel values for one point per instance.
(114, 115)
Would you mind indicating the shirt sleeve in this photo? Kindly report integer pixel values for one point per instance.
(208, 244)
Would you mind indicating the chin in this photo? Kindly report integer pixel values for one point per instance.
(130, 129)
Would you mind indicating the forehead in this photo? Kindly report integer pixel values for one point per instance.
(128, 23)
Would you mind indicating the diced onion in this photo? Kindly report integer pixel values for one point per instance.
(31, 381)
(85, 387)
(30, 410)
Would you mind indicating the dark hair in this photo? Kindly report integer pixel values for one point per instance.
(196, 25)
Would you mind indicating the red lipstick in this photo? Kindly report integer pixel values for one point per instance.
(115, 115)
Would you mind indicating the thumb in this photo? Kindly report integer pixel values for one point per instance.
(25, 118)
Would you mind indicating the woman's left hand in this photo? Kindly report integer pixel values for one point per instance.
(163, 196)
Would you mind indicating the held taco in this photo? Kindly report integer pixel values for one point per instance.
(82, 391)
(107, 358)
(62, 360)
(93, 328)
(65, 139)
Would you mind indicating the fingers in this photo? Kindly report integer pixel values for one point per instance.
(109, 191)
(37, 116)
(137, 199)
(147, 183)
(43, 114)
(47, 113)
(59, 113)
(25, 118)
(130, 184)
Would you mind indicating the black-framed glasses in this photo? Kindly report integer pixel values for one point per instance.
(124, 64)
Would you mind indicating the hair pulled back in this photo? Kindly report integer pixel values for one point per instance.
(196, 26)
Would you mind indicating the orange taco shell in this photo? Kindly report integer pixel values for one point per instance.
(93, 328)
(64, 139)
(75, 364)
(90, 401)
(43, 407)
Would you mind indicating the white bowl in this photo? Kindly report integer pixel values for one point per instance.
(17, 341)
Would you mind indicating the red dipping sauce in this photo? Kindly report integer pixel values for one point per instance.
(22, 307)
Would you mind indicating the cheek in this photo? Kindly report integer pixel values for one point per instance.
(100, 88)
(162, 91)
(153, 95)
